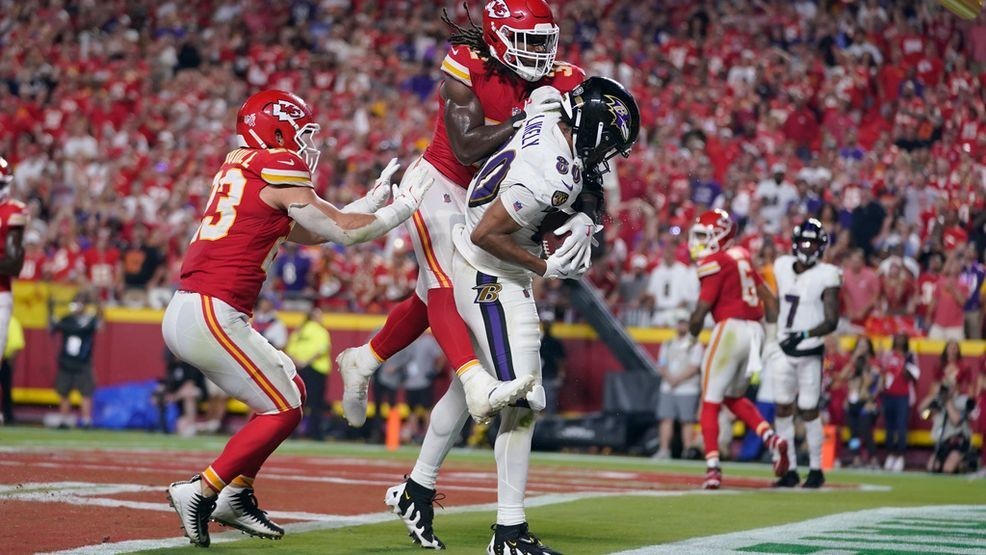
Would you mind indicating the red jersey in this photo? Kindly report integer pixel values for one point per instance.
(66, 264)
(34, 266)
(729, 283)
(13, 214)
(240, 233)
(501, 97)
(101, 266)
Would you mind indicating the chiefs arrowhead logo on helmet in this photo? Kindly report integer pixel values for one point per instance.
(498, 9)
(285, 110)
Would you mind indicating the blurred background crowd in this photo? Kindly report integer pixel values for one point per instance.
(868, 115)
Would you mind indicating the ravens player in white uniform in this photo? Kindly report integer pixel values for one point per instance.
(498, 250)
(808, 292)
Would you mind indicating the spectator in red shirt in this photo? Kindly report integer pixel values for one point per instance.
(34, 258)
(66, 265)
(860, 289)
(899, 373)
(103, 267)
(801, 127)
(926, 288)
(833, 361)
(947, 304)
(897, 291)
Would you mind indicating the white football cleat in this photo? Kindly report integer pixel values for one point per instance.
(486, 396)
(356, 366)
(193, 508)
(237, 508)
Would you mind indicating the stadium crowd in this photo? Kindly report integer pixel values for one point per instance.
(869, 115)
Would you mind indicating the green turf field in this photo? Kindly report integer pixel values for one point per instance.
(592, 525)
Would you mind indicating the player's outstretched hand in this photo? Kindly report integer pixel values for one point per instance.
(382, 189)
(578, 245)
(412, 192)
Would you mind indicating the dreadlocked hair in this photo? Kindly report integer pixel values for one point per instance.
(472, 38)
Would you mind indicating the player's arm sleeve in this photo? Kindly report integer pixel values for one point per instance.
(328, 222)
(523, 205)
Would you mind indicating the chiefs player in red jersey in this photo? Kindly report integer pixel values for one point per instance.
(13, 218)
(495, 76)
(732, 291)
(261, 196)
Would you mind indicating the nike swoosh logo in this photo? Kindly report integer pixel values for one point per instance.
(287, 162)
(569, 187)
(407, 496)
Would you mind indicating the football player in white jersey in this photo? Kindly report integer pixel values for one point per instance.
(808, 294)
(498, 251)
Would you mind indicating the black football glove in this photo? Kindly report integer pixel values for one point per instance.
(790, 343)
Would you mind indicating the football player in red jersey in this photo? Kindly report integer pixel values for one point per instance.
(732, 291)
(13, 218)
(495, 76)
(261, 196)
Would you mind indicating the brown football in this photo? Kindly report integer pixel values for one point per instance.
(546, 230)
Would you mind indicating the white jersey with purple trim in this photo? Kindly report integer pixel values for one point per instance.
(800, 297)
(534, 174)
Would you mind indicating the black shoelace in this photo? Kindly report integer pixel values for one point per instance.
(248, 503)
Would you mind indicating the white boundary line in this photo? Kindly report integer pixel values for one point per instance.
(328, 522)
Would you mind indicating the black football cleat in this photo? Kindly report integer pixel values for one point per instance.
(516, 540)
(814, 480)
(415, 505)
(790, 479)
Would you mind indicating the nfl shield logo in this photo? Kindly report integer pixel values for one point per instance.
(448, 199)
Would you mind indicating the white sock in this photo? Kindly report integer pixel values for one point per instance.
(784, 427)
(447, 419)
(814, 436)
(513, 455)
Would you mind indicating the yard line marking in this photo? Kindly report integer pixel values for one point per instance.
(852, 532)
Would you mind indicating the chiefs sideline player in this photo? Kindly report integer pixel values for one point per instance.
(13, 218)
(262, 196)
(489, 72)
(732, 290)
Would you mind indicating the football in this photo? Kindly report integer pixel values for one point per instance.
(549, 241)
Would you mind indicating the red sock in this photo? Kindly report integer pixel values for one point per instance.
(748, 413)
(247, 450)
(448, 328)
(406, 322)
(709, 419)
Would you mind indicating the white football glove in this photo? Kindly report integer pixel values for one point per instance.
(563, 267)
(411, 192)
(578, 246)
(380, 193)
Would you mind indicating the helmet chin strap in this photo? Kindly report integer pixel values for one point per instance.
(257, 138)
